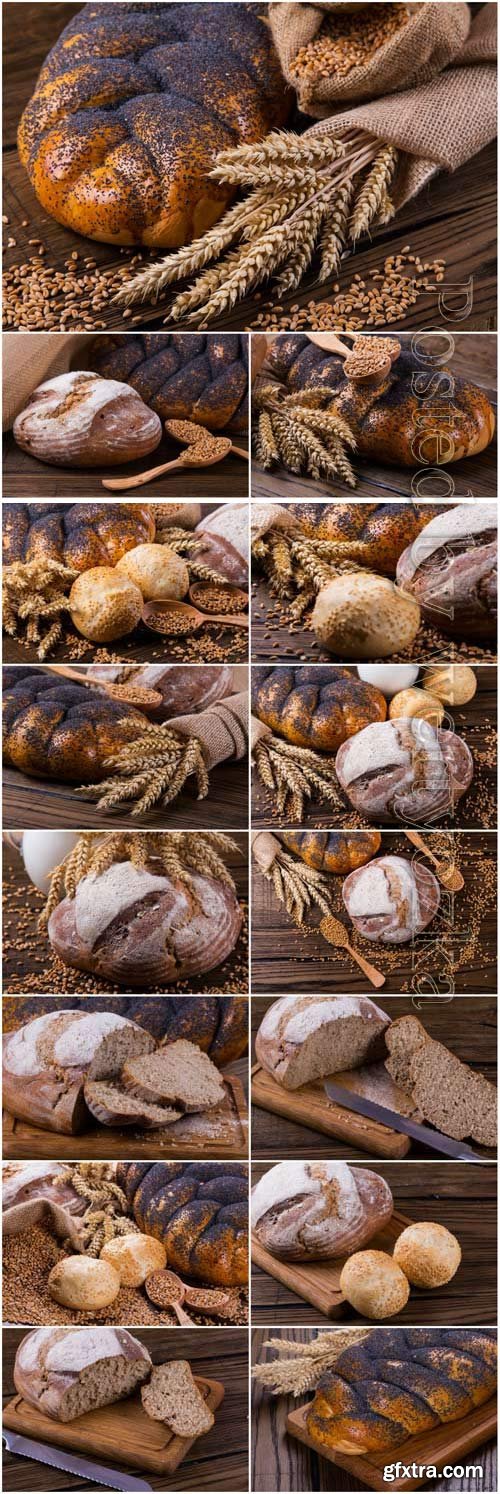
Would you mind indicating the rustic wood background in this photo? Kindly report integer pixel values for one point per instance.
(474, 722)
(454, 1195)
(19, 964)
(25, 477)
(281, 1462)
(217, 1461)
(467, 1025)
(144, 646)
(474, 359)
(286, 958)
(453, 218)
(38, 803)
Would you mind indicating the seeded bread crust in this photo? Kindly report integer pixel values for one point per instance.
(199, 1210)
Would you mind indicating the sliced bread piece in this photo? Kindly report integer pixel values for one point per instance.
(179, 1074)
(113, 1105)
(448, 1093)
(172, 1396)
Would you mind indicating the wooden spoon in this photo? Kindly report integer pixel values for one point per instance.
(187, 458)
(176, 1293)
(333, 930)
(194, 619)
(128, 694)
(449, 876)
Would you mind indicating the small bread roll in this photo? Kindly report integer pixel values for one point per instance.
(84, 1284)
(455, 684)
(417, 702)
(135, 1257)
(374, 1284)
(104, 605)
(428, 1254)
(157, 571)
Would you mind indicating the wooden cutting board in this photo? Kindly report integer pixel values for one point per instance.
(122, 1433)
(22, 1141)
(318, 1282)
(442, 1445)
(309, 1106)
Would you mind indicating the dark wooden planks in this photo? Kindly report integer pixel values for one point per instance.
(36, 803)
(24, 477)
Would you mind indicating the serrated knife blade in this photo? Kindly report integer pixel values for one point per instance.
(396, 1122)
(43, 1452)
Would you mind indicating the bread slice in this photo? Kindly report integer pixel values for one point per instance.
(113, 1105)
(179, 1074)
(171, 1395)
(449, 1094)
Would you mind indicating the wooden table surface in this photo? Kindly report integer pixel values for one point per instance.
(217, 1461)
(475, 723)
(34, 960)
(280, 1462)
(35, 802)
(453, 1194)
(456, 953)
(467, 1025)
(214, 643)
(24, 477)
(453, 218)
(474, 359)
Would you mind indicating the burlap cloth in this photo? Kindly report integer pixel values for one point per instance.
(443, 119)
(29, 360)
(222, 730)
(62, 1223)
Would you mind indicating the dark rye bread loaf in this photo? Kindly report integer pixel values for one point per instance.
(199, 1210)
(392, 899)
(202, 377)
(65, 1372)
(450, 1095)
(47, 1060)
(399, 1383)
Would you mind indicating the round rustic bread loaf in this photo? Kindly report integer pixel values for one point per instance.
(79, 420)
(84, 1284)
(317, 708)
(338, 851)
(46, 1060)
(391, 900)
(318, 1210)
(104, 605)
(132, 106)
(64, 1372)
(302, 1038)
(199, 1210)
(451, 570)
(134, 1257)
(202, 377)
(157, 571)
(53, 728)
(404, 770)
(358, 615)
(80, 535)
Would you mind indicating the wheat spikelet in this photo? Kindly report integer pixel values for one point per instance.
(298, 262)
(279, 145)
(266, 449)
(206, 285)
(294, 773)
(335, 231)
(386, 211)
(288, 441)
(310, 399)
(325, 422)
(297, 886)
(191, 258)
(368, 200)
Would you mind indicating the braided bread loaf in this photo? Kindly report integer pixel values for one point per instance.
(131, 107)
(79, 535)
(400, 1382)
(56, 729)
(380, 531)
(318, 708)
(333, 850)
(217, 1024)
(199, 1210)
(201, 377)
(392, 423)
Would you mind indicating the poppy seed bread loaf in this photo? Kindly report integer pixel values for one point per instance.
(79, 535)
(131, 107)
(199, 1210)
(316, 708)
(201, 377)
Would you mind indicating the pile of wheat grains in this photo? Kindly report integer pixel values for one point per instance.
(347, 40)
(387, 293)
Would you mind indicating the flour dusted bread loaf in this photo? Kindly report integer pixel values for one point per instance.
(199, 1210)
(65, 1372)
(79, 420)
(450, 1095)
(224, 542)
(451, 570)
(179, 1074)
(80, 535)
(391, 900)
(404, 770)
(130, 109)
(317, 708)
(318, 1210)
(305, 1037)
(141, 929)
(183, 688)
(46, 1061)
(172, 1396)
(400, 1382)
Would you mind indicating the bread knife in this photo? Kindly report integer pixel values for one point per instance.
(396, 1122)
(42, 1452)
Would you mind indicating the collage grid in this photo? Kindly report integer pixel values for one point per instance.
(250, 774)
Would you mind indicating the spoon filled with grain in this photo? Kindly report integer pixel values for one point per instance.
(333, 930)
(204, 454)
(166, 1289)
(167, 616)
(128, 694)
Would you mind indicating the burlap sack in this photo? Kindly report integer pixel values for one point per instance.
(28, 361)
(222, 730)
(430, 39)
(59, 1220)
(440, 125)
